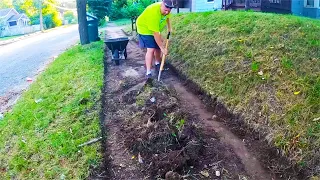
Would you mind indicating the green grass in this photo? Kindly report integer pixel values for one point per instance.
(8, 37)
(122, 22)
(40, 140)
(264, 66)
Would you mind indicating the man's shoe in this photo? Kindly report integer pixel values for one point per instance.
(149, 76)
(157, 67)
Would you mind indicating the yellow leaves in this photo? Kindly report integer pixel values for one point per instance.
(205, 173)
(296, 92)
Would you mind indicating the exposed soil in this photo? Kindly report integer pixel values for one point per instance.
(173, 130)
(154, 131)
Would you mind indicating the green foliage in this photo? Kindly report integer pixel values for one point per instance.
(50, 13)
(5, 4)
(35, 19)
(69, 16)
(255, 66)
(29, 7)
(180, 124)
(99, 8)
(122, 9)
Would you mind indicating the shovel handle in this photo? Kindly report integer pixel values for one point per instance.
(163, 57)
(168, 36)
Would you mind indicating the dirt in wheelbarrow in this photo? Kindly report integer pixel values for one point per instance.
(153, 134)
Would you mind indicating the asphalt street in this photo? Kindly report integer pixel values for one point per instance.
(23, 59)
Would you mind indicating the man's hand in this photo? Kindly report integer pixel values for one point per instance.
(164, 51)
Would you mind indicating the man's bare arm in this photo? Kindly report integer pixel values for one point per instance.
(157, 37)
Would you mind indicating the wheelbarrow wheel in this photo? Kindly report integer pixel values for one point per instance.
(116, 57)
(125, 53)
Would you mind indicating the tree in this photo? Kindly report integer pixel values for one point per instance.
(100, 8)
(5, 4)
(82, 19)
(69, 16)
(49, 10)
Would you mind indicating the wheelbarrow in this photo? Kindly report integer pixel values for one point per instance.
(118, 48)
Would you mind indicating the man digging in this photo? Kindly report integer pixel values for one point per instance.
(149, 25)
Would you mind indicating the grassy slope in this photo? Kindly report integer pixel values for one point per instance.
(39, 140)
(265, 66)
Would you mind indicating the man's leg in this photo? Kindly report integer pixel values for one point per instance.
(157, 56)
(149, 57)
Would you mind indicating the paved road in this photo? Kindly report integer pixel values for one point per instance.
(24, 58)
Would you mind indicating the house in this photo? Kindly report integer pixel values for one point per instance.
(197, 5)
(214, 5)
(308, 8)
(276, 6)
(12, 23)
(11, 18)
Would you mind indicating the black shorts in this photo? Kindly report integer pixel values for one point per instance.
(147, 41)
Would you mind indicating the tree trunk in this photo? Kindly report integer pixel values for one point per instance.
(247, 5)
(82, 20)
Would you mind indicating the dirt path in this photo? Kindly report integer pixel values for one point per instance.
(172, 135)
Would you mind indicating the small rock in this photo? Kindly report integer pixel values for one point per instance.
(260, 73)
(214, 117)
(170, 175)
(218, 173)
(122, 165)
(38, 100)
(153, 99)
(140, 159)
(1, 116)
(205, 166)
(204, 173)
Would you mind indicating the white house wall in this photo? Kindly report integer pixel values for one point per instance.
(204, 5)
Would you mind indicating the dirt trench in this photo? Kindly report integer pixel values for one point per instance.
(172, 130)
(163, 131)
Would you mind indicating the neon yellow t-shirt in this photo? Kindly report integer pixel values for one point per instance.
(151, 20)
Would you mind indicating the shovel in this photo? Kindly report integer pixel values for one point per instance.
(163, 57)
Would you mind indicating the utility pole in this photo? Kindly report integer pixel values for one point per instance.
(41, 18)
(247, 5)
(178, 10)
